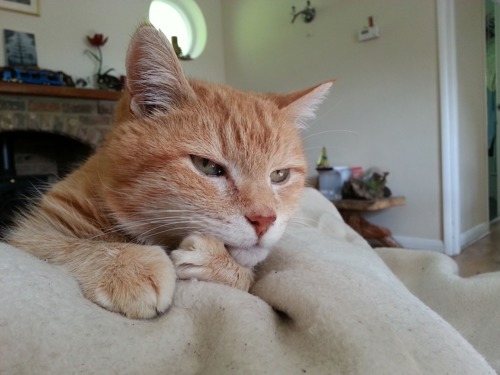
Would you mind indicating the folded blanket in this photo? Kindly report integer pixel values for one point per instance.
(471, 305)
(323, 303)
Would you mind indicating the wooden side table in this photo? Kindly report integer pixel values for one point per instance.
(351, 210)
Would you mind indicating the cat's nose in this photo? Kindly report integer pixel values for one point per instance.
(261, 223)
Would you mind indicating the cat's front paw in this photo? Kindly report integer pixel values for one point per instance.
(206, 258)
(139, 282)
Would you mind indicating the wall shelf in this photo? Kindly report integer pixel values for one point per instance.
(57, 91)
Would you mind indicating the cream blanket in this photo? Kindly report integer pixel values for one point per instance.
(324, 303)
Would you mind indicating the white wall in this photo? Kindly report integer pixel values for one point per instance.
(61, 30)
(210, 64)
(384, 108)
(471, 70)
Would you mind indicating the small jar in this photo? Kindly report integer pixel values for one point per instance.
(330, 183)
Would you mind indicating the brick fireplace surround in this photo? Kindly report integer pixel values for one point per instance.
(80, 114)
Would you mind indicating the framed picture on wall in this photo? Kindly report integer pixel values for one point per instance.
(22, 6)
(20, 48)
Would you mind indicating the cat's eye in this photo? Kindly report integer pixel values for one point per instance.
(279, 176)
(207, 166)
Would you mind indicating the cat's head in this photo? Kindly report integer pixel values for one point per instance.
(192, 157)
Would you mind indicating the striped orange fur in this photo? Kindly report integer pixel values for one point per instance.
(195, 180)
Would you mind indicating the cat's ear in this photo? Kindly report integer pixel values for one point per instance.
(301, 105)
(155, 79)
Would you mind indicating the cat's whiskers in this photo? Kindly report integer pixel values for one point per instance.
(98, 172)
(155, 216)
(151, 234)
(303, 221)
(164, 229)
(161, 223)
(161, 211)
(303, 218)
(156, 224)
(130, 226)
(330, 131)
(156, 213)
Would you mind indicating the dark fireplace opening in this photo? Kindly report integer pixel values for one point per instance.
(30, 162)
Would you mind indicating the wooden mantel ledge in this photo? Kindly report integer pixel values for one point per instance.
(57, 91)
(369, 205)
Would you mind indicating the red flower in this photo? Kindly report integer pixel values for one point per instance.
(98, 40)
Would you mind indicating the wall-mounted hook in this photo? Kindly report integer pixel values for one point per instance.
(308, 13)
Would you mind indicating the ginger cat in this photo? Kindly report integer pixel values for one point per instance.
(203, 169)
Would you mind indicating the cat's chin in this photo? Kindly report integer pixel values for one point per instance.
(250, 256)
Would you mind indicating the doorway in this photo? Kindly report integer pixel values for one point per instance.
(491, 108)
(492, 28)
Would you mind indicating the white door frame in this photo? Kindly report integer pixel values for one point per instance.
(497, 84)
(449, 125)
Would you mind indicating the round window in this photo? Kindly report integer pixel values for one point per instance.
(182, 19)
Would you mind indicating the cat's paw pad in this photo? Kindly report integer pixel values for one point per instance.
(206, 258)
(139, 283)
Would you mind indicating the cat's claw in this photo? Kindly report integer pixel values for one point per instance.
(206, 258)
(139, 283)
